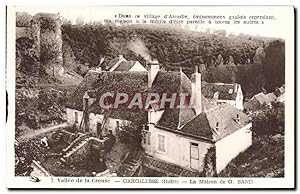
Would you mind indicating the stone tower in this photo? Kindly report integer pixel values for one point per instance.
(49, 40)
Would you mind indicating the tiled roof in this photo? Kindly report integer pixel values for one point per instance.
(271, 96)
(130, 83)
(262, 98)
(226, 91)
(74, 100)
(125, 65)
(176, 118)
(257, 101)
(112, 63)
(171, 82)
(182, 120)
(199, 126)
(252, 105)
(265, 98)
(226, 115)
(204, 124)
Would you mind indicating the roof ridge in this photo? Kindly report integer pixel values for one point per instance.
(216, 107)
(191, 120)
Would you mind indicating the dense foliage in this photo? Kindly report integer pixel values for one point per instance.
(269, 121)
(209, 168)
(26, 152)
(226, 59)
(36, 109)
(26, 57)
(23, 19)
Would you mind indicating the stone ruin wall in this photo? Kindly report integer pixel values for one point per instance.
(38, 34)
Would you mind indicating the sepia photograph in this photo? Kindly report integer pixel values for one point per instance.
(129, 94)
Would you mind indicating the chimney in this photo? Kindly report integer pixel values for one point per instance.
(196, 91)
(101, 61)
(217, 126)
(238, 119)
(153, 70)
(235, 88)
(216, 95)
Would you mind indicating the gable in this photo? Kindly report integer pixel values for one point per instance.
(129, 65)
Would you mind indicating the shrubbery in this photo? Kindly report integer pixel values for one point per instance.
(226, 59)
(37, 111)
(269, 121)
(25, 153)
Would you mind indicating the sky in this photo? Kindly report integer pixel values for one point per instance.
(271, 28)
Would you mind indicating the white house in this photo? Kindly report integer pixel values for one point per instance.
(261, 99)
(182, 137)
(279, 92)
(187, 146)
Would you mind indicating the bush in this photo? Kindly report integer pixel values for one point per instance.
(41, 110)
(209, 168)
(131, 136)
(269, 121)
(25, 153)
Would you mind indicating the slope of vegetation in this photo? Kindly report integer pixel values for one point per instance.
(255, 62)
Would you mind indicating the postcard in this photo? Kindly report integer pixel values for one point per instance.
(158, 97)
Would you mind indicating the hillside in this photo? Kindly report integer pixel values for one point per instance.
(224, 58)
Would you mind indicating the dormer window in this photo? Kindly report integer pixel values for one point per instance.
(238, 119)
(216, 129)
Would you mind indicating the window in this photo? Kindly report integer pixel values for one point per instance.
(76, 117)
(161, 143)
(117, 126)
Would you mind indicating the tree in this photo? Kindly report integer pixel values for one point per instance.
(274, 64)
(79, 21)
(26, 56)
(269, 121)
(23, 19)
(50, 50)
(209, 169)
(230, 61)
(68, 55)
(220, 32)
(259, 55)
(219, 61)
(25, 153)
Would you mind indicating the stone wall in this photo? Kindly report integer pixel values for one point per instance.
(79, 154)
(43, 28)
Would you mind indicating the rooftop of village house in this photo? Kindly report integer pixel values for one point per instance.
(183, 120)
